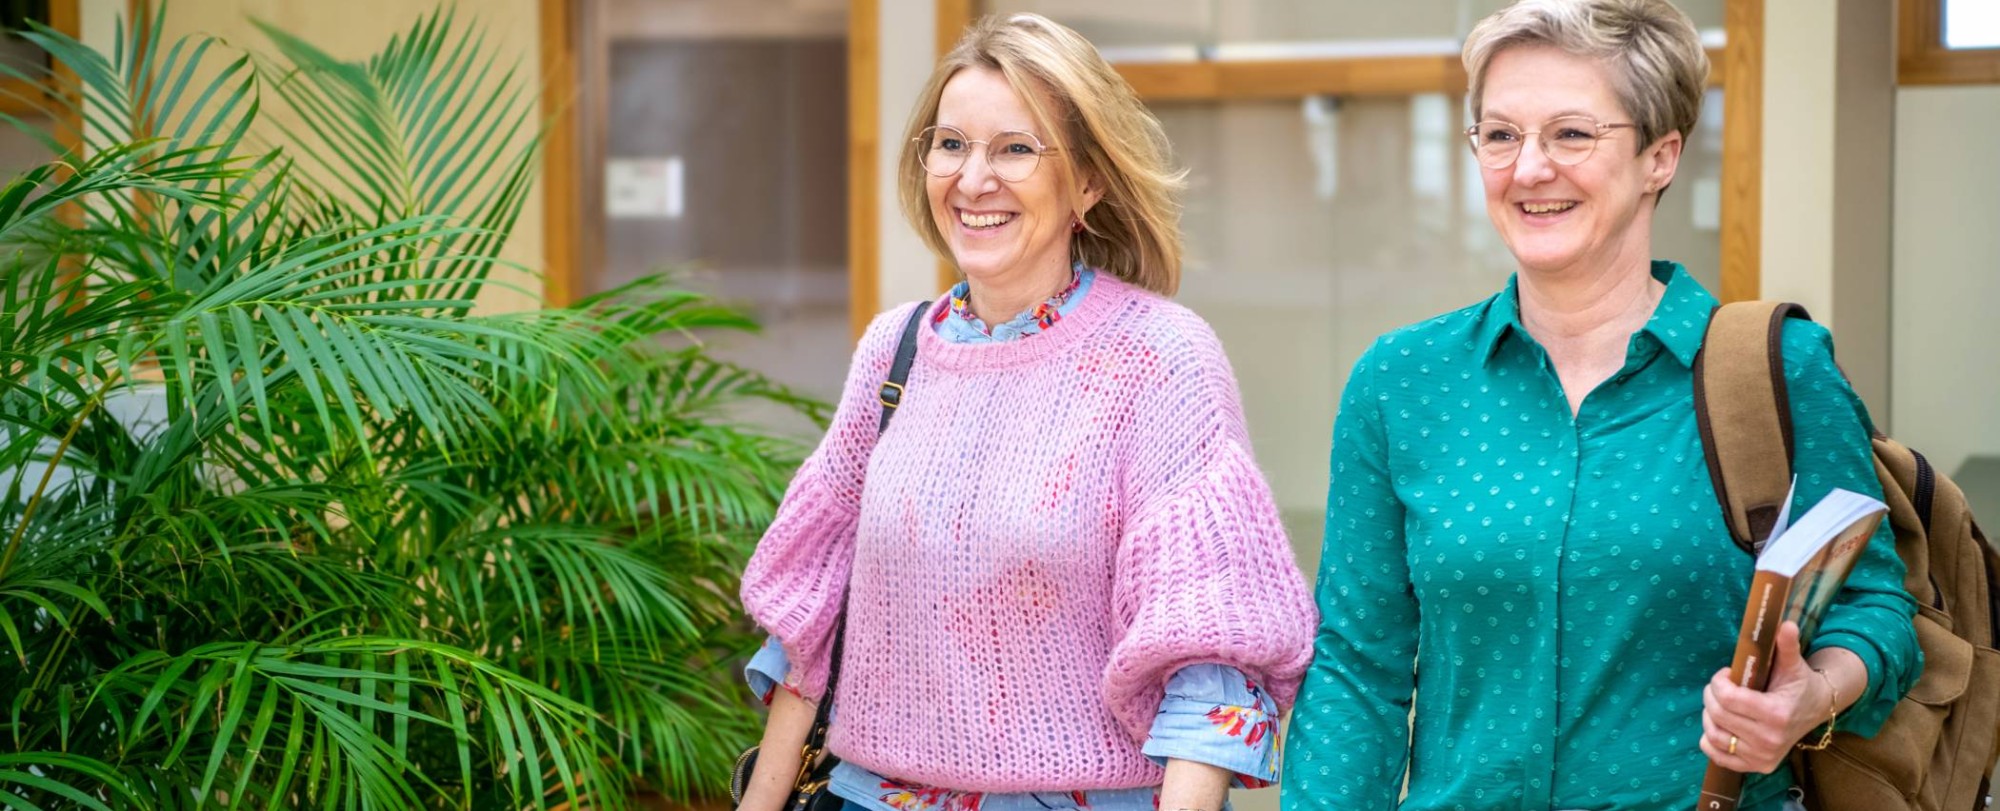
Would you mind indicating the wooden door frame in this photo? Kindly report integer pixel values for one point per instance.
(562, 217)
(1742, 209)
(864, 138)
(576, 64)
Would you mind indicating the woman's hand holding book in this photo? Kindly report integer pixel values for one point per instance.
(1764, 725)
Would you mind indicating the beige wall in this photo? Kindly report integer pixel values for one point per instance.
(99, 22)
(1879, 216)
(1947, 279)
(355, 29)
(909, 51)
(1828, 111)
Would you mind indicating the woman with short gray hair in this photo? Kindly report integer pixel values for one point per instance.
(1520, 519)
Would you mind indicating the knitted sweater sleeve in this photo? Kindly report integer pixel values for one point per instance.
(796, 581)
(1204, 573)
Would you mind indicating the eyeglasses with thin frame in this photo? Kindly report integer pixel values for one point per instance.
(1568, 140)
(1012, 155)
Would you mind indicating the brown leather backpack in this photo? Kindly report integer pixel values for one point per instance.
(1938, 748)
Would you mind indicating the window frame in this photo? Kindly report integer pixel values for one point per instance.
(1923, 59)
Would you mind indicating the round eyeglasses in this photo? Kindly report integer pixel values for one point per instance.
(1012, 155)
(1568, 140)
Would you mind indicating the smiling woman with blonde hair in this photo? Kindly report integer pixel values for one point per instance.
(1529, 597)
(1106, 135)
(1056, 579)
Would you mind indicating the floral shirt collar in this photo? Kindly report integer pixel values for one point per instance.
(958, 324)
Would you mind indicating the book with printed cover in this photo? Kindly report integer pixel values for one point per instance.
(1797, 576)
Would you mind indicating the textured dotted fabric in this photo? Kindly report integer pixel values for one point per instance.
(1551, 592)
(1067, 550)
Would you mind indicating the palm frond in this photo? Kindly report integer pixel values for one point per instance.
(286, 524)
(414, 130)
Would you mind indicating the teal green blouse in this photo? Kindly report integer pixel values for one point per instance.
(1551, 592)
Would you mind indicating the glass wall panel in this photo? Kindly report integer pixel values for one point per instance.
(1944, 371)
(17, 52)
(1316, 225)
(1283, 28)
(1971, 24)
(1139, 30)
(19, 151)
(727, 161)
(1365, 23)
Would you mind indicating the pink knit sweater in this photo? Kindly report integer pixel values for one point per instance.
(1058, 523)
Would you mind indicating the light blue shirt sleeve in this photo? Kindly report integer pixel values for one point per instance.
(767, 669)
(1214, 714)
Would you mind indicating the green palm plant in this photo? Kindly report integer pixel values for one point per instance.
(287, 523)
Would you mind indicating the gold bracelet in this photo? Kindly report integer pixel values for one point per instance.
(1832, 715)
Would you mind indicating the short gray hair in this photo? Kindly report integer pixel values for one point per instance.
(1658, 67)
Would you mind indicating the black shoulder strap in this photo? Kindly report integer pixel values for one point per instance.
(891, 397)
(899, 369)
(1745, 415)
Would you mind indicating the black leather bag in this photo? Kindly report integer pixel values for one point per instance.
(809, 788)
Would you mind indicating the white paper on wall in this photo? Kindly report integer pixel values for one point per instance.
(644, 188)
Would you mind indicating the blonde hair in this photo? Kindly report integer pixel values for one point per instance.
(1104, 133)
(1658, 67)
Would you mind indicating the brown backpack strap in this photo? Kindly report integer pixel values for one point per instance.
(1745, 415)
